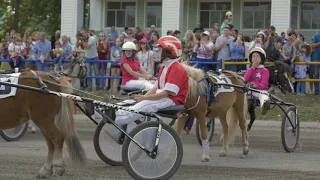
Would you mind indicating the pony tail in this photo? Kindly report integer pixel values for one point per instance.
(64, 121)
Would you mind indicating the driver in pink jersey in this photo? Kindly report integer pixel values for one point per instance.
(257, 77)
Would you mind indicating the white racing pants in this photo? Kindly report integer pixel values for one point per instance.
(262, 97)
(138, 84)
(125, 117)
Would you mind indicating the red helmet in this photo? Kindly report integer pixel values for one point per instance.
(172, 44)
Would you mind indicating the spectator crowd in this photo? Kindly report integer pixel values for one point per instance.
(222, 41)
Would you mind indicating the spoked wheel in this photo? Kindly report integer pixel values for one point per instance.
(170, 152)
(210, 127)
(14, 134)
(107, 145)
(289, 134)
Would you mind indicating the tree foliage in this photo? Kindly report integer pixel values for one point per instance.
(21, 15)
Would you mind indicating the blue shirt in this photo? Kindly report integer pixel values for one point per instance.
(42, 48)
(316, 54)
(236, 51)
(114, 34)
(300, 71)
(67, 50)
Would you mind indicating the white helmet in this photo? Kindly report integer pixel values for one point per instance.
(260, 51)
(129, 46)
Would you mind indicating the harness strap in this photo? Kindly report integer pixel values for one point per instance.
(39, 80)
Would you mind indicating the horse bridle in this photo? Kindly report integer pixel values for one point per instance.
(276, 81)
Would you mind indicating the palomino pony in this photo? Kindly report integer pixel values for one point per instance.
(52, 114)
(229, 107)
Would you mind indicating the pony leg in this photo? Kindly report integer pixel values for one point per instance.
(205, 143)
(57, 139)
(46, 170)
(241, 111)
(224, 124)
(181, 121)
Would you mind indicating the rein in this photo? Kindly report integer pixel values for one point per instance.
(53, 83)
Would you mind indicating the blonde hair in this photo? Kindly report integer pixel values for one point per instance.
(193, 38)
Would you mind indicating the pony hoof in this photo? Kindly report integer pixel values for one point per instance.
(223, 154)
(58, 171)
(205, 158)
(42, 176)
(44, 173)
(246, 151)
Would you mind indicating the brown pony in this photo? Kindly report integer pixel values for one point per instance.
(230, 107)
(52, 114)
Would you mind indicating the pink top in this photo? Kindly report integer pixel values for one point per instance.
(258, 76)
(134, 64)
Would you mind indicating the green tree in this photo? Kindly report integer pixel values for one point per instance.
(29, 14)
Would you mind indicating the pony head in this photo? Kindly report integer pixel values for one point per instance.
(279, 76)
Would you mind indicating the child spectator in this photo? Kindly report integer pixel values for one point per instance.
(300, 73)
(57, 54)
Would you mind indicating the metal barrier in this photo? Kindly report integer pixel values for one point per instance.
(224, 63)
(220, 65)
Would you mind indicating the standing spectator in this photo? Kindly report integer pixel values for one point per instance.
(113, 33)
(283, 36)
(297, 42)
(57, 56)
(176, 34)
(258, 41)
(204, 50)
(316, 58)
(289, 52)
(273, 45)
(42, 52)
(198, 29)
(237, 52)
(55, 37)
(154, 48)
(17, 52)
(67, 50)
(169, 33)
(115, 55)
(138, 34)
(226, 22)
(145, 56)
(103, 50)
(130, 36)
(223, 48)
(305, 50)
(300, 73)
(216, 27)
(91, 54)
(188, 43)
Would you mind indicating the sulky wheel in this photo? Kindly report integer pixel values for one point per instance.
(166, 162)
(210, 123)
(106, 144)
(290, 129)
(14, 134)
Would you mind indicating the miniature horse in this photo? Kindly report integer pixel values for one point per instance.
(230, 107)
(52, 114)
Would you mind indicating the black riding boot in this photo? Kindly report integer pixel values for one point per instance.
(252, 113)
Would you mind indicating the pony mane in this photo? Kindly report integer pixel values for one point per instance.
(287, 68)
(195, 75)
